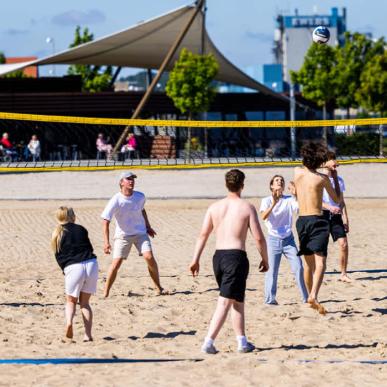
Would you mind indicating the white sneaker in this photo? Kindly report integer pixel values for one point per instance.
(249, 347)
(209, 349)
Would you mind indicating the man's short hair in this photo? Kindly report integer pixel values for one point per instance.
(314, 154)
(234, 180)
(331, 155)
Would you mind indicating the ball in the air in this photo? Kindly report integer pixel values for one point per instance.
(321, 35)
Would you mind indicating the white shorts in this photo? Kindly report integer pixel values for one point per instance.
(123, 245)
(81, 277)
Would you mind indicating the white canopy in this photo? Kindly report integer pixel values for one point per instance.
(145, 45)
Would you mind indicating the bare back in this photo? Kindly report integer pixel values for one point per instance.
(231, 221)
(309, 187)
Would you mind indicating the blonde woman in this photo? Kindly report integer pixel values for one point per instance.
(74, 254)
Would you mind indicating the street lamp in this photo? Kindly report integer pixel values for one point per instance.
(50, 40)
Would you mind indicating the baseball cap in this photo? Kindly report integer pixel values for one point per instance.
(126, 175)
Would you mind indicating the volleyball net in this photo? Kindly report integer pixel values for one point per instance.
(71, 142)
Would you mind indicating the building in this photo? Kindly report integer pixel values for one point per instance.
(293, 37)
(31, 71)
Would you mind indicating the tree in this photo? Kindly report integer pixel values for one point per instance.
(316, 76)
(372, 93)
(357, 50)
(2, 58)
(93, 78)
(189, 84)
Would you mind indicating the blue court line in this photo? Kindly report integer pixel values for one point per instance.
(89, 361)
(114, 360)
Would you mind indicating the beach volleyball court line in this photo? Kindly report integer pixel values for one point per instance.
(90, 361)
(57, 361)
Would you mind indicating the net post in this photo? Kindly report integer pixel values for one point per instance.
(292, 118)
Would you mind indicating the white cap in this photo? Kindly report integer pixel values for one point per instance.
(126, 175)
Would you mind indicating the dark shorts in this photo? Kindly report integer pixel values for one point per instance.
(313, 234)
(336, 225)
(231, 268)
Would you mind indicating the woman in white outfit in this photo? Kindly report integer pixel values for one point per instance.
(74, 254)
(277, 212)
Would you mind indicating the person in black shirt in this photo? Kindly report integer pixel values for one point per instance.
(74, 254)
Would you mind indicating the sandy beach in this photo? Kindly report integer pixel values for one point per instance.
(296, 346)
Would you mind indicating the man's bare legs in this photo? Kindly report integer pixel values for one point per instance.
(308, 271)
(71, 303)
(238, 323)
(219, 317)
(238, 317)
(318, 275)
(343, 254)
(153, 271)
(112, 274)
(87, 315)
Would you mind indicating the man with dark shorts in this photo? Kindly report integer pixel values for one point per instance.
(230, 218)
(312, 227)
(337, 216)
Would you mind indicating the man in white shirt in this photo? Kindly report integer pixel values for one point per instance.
(132, 227)
(277, 213)
(337, 216)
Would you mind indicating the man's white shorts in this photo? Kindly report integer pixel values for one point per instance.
(81, 277)
(122, 245)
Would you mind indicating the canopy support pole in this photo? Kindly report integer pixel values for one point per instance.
(155, 80)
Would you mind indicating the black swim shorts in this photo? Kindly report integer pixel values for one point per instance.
(231, 268)
(336, 225)
(313, 234)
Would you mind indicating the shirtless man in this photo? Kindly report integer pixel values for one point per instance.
(230, 218)
(337, 216)
(312, 227)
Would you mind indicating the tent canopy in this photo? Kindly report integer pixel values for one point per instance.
(145, 45)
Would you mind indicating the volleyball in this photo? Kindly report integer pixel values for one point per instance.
(321, 35)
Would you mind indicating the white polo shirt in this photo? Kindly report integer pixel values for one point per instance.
(127, 211)
(279, 222)
(326, 198)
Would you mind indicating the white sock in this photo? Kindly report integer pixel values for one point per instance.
(242, 341)
(208, 342)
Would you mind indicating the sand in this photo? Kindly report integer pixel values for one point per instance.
(134, 324)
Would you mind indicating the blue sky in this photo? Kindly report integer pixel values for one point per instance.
(242, 30)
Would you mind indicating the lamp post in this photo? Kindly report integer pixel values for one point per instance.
(50, 40)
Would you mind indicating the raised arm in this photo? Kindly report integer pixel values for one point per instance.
(275, 196)
(259, 238)
(205, 232)
(333, 193)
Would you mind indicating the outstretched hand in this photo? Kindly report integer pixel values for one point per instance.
(194, 268)
(263, 266)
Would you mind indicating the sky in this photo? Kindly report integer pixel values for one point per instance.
(242, 29)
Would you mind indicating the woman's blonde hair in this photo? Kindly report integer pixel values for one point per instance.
(63, 215)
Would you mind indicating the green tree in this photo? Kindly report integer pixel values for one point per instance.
(2, 58)
(372, 93)
(93, 78)
(316, 77)
(189, 85)
(316, 74)
(357, 50)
